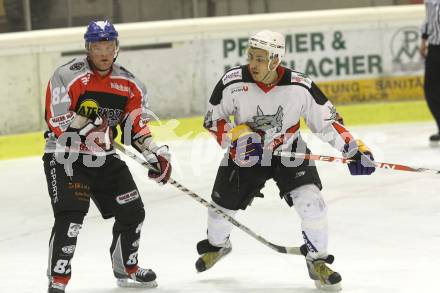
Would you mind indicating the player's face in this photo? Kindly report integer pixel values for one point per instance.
(102, 54)
(258, 62)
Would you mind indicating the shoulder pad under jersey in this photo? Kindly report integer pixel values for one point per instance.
(119, 70)
(72, 69)
(122, 72)
(301, 78)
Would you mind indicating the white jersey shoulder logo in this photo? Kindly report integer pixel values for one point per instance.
(301, 78)
(239, 89)
(232, 75)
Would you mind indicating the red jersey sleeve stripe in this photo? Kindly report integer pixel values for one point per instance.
(49, 111)
(220, 130)
(343, 132)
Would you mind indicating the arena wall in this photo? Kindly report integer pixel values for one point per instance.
(355, 55)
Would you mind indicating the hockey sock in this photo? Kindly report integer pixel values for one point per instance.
(311, 208)
(125, 244)
(62, 243)
(219, 228)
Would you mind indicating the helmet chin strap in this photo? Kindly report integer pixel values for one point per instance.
(269, 71)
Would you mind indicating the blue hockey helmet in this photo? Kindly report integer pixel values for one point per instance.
(98, 31)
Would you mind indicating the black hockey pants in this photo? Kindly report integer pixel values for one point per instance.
(114, 192)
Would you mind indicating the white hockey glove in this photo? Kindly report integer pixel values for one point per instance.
(159, 158)
(95, 130)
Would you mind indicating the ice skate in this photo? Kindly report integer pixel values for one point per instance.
(434, 140)
(325, 278)
(210, 254)
(141, 278)
(57, 285)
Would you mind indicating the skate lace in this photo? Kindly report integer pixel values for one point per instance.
(142, 272)
(210, 258)
(323, 271)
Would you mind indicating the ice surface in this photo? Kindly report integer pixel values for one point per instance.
(384, 228)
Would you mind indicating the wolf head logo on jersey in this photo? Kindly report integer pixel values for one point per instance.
(208, 120)
(267, 123)
(333, 114)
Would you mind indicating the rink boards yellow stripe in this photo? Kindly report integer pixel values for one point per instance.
(31, 144)
(382, 89)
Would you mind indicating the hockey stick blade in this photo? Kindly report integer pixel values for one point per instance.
(331, 159)
(281, 249)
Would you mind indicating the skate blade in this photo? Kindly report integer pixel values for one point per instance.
(128, 283)
(325, 287)
(434, 144)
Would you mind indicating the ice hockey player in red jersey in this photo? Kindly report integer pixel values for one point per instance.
(267, 101)
(86, 99)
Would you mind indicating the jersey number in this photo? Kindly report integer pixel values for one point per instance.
(61, 265)
(58, 95)
(132, 259)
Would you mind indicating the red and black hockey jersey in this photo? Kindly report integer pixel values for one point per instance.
(75, 89)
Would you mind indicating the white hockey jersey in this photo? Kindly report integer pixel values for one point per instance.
(273, 110)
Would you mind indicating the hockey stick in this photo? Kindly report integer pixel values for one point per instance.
(332, 159)
(281, 249)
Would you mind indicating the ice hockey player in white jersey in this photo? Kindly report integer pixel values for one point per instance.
(267, 101)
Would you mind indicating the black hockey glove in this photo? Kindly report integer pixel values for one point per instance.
(364, 161)
(246, 147)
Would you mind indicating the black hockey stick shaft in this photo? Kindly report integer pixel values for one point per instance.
(281, 249)
(331, 159)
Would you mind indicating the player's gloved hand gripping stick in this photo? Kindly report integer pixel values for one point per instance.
(332, 159)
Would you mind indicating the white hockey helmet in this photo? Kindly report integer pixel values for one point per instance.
(273, 42)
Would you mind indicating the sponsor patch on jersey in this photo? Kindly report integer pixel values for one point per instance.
(301, 78)
(232, 75)
(69, 249)
(120, 87)
(127, 197)
(62, 120)
(239, 89)
(77, 66)
(73, 230)
(87, 108)
(300, 174)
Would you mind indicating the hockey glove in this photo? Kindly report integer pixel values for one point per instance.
(364, 161)
(159, 158)
(246, 147)
(96, 129)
